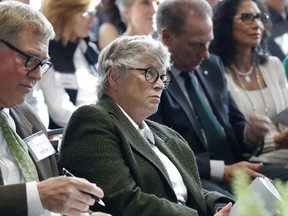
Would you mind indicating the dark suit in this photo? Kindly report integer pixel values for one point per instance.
(184, 120)
(108, 150)
(13, 197)
(175, 112)
(278, 29)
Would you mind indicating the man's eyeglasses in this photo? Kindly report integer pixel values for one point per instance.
(248, 18)
(152, 75)
(31, 62)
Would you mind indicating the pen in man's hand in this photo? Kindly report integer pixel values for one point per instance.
(97, 199)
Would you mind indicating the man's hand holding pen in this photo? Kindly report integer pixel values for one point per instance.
(95, 197)
(68, 196)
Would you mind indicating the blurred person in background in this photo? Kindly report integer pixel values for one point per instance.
(113, 25)
(71, 82)
(138, 17)
(278, 41)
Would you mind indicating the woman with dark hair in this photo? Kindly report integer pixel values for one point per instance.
(138, 16)
(255, 79)
(113, 26)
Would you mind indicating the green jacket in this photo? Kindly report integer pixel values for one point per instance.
(101, 145)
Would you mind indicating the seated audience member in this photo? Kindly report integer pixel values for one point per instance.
(71, 82)
(27, 186)
(100, 19)
(278, 41)
(138, 17)
(113, 26)
(144, 168)
(203, 111)
(257, 81)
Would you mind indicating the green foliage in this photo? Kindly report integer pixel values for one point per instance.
(282, 187)
(249, 202)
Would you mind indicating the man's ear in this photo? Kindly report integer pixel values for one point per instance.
(166, 36)
(113, 81)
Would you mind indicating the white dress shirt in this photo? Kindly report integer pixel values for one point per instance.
(53, 85)
(173, 173)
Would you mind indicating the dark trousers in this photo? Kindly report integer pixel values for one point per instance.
(268, 170)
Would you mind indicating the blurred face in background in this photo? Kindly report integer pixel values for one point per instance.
(277, 5)
(141, 16)
(82, 24)
(247, 34)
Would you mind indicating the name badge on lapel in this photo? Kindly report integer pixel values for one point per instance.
(39, 146)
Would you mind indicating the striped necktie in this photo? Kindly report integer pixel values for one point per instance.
(20, 155)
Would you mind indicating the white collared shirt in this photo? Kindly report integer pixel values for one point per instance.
(173, 173)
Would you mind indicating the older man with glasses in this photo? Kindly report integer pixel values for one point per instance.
(32, 62)
(28, 185)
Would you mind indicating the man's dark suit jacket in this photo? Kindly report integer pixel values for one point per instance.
(175, 112)
(13, 197)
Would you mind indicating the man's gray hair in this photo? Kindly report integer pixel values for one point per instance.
(16, 17)
(173, 14)
(129, 51)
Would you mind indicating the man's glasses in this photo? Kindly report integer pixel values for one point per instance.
(248, 18)
(31, 62)
(152, 75)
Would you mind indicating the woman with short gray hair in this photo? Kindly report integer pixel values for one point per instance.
(122, 56)
(144, 168)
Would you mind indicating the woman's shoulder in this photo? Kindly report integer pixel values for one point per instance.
(108, 28)
(274, 59)
(107, 33)
(273, 65)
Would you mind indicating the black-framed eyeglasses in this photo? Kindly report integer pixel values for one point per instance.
(248, 18)
(32, 62)
(152, 75)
